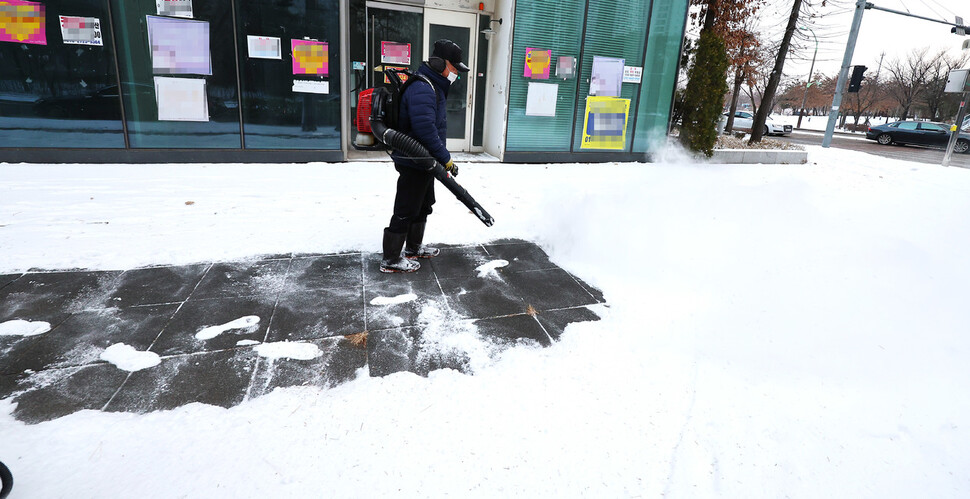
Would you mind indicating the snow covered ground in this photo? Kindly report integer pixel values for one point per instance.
(772, 331)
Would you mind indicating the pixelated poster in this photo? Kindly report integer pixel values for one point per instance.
(264, 47)
(22, 22)
(310, 57)
(176, 8)
(81, 30)
(605, 124)
(395, 53)
(537, 63)
(179, 46)
(181, 99)
(607, 76)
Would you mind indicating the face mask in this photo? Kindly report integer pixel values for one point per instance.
(452, 77)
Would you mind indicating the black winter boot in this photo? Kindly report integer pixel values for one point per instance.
(413, 248)
(392, 261)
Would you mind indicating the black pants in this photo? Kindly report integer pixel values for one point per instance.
(415, 195)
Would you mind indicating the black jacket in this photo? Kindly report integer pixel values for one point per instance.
(423, 115)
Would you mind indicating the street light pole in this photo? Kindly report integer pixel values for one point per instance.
(801, 110)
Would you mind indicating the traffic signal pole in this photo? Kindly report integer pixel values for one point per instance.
(955, 130)
(860, 7)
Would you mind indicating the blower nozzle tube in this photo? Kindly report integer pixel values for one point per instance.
(419, 154)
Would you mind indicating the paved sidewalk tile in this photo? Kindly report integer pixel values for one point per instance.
(208, 322)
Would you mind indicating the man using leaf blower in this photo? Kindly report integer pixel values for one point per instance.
(422, 115)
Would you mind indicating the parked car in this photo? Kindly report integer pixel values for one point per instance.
(743, 121)
(922, 133)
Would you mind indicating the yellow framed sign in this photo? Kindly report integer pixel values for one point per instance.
(604, 125)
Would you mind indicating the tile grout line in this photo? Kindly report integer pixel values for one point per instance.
(269, 325)
(160, 332)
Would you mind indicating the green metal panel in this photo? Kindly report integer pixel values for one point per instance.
(659, 73)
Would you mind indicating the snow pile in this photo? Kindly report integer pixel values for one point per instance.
(19, 327)
(393, 300)
(491, 268)
(244, 325)
(299, 350)
(125, 357)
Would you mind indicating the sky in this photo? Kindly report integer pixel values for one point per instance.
(881, 31)
(769, 331)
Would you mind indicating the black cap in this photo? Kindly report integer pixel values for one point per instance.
(451, 52)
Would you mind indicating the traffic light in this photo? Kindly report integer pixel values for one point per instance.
(855, 83)
(959, 29)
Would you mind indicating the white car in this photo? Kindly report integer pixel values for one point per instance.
(744, 119)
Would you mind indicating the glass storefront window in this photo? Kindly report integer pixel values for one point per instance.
(180, 96)
(287, 104)
(616, 30)
(557, 27)
(59, 88)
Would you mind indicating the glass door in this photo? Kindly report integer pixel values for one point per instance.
(457, 27)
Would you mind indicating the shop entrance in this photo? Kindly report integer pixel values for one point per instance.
(403, 36)
(457, 27)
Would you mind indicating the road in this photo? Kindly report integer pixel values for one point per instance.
(859, 143)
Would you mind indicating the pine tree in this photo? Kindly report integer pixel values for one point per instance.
(703, 99)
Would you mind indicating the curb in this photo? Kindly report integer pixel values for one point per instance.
(754, 156)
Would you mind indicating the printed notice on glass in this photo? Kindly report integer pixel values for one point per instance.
(311, 87)
(179, 46)
(23, 22)
(264, 47)
(607, 76)
(310, 57)
(632, 74)
(395, 53)
(181, 99)
(176, 8)
(604, 126)
(541, 100)
(81, 30)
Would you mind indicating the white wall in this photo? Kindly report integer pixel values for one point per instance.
(496, 98)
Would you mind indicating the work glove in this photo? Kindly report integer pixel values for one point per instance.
(451, 168)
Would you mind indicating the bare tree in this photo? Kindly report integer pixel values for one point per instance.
(938, 102)
(907, 79)
(744, 57)
(757, 128)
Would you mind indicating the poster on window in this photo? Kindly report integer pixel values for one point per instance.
(264, 47)
(606, 77)
(604, 126)
(402, 76)
(181, 99)
(176, 8)
(310, 57)
(537, 63)
(566, 67)
(81, 30)
(311, 87)
(541, 99)
(179, 46)
(396, 53)
(23, 22)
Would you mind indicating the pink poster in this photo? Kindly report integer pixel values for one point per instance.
(22, 22)
(395, 53)
(310, 58)
(537, 63)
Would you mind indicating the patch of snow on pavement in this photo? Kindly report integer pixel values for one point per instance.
(491, 267)
(246, 343)
(394, 300)
(18, 327)
(126, 358)
(298, 350)
(247, 322)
